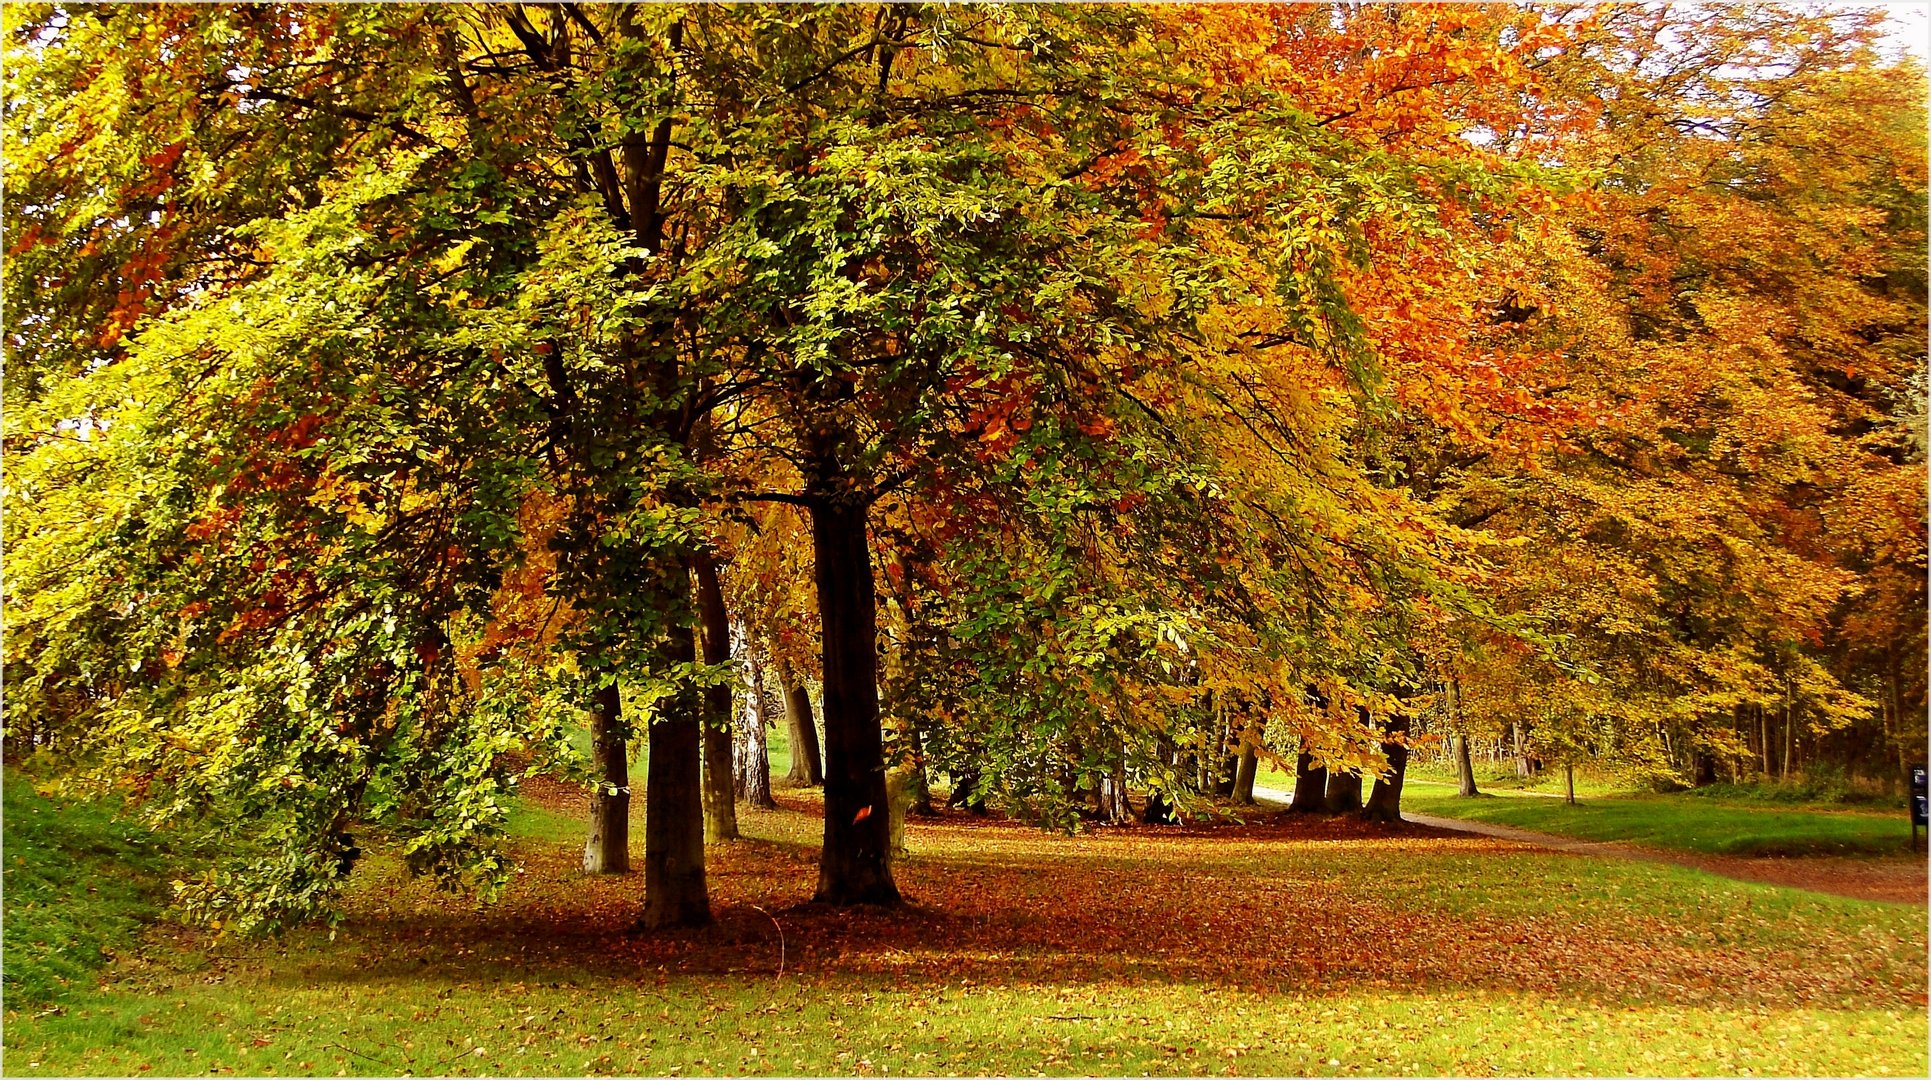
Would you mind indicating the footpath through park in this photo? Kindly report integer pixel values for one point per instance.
(1896, 880)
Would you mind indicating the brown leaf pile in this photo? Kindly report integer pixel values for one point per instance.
(1279, 904)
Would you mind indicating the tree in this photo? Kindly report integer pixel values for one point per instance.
(752, 767)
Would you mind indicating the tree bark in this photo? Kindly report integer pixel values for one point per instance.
(674, 889)
(965, 790)
(855, 865)
(1244, 774)
(1789, 723)
(1569, 778)
(898, 796)
(1384, 802)
(1525, 766)
(1464, 761)
(1310, 786)
(921, 778)
(720, 805)
(1465, 768)
(807, 770)
(1115, 808)
(1343, 794)
(754, 765)
(608, 849)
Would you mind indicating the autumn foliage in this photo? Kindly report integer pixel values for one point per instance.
(1083, 399)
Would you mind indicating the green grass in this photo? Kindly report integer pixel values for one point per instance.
(1680, 822)
(1324, 948)
(719, 1025)
(79, 885)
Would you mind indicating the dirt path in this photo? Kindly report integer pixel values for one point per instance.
(1898, 880)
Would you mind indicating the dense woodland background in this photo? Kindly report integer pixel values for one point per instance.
(1080, 410)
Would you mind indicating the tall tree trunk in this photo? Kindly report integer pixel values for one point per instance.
(1310, 785)
(1569, 779)
(965, 790)
(1763, 739)
(674, 890)
(855, 864)
(754, 764)
(921, 778)
(1244, 775)
(1115, 808)
(1384, 802)
(909, 752)
(1888, 703)
(1464, 761)
(1343, 794)
(1895, 739)
(807, 770)
(898, 797)
(1788, 725)
(608, 849)
(1525, 765)
(720, 807)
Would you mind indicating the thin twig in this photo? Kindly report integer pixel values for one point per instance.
(780, 926)
(360, 1054)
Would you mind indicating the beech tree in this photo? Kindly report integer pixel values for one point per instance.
(394, 390)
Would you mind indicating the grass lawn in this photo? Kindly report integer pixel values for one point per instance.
(79, 886)
(1325, 947)
(1680, 822)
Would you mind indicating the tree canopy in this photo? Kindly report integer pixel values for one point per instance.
(1081, 396)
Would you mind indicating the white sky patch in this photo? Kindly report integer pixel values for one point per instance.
(1909, 32)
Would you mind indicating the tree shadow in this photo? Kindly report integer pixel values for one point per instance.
(1289, 906)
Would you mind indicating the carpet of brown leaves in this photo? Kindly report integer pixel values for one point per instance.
(1276, 904)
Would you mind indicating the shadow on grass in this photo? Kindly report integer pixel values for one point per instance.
(1291, 905)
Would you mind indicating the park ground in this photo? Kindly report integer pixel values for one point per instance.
(1850, 843)
(1270, 947)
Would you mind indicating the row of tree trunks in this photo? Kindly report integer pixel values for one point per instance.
(1323, 791)
(1310, 786)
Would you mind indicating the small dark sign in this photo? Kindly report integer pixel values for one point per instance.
(1918, 794)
